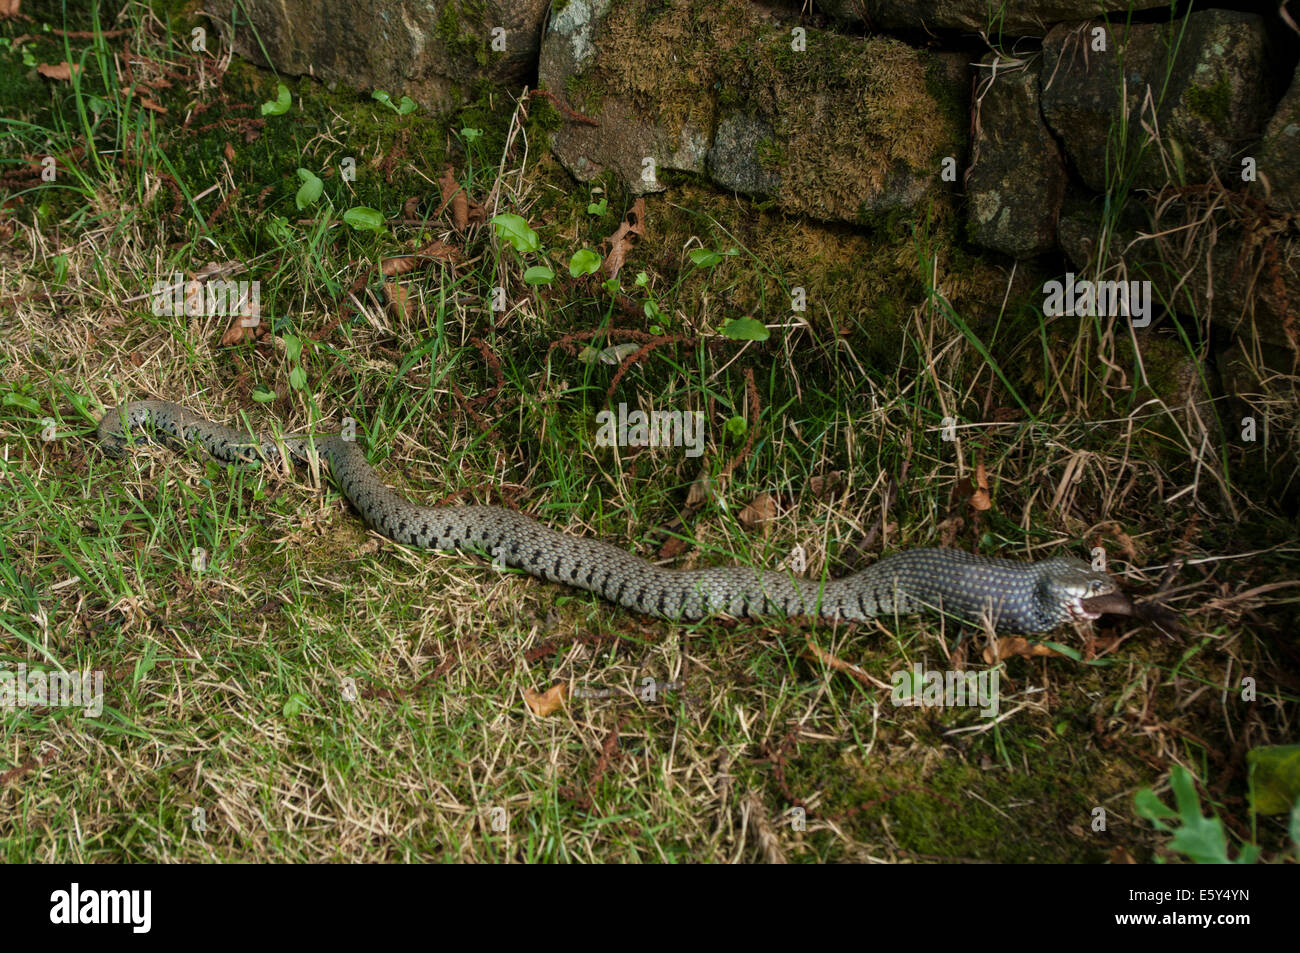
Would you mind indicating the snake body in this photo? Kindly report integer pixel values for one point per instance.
(1013, 596)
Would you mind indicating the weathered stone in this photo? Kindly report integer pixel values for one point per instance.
(1214, 97)
(1023, 18)
(834, 127)
(433, 52)
(1278, 157)
(1017, 178)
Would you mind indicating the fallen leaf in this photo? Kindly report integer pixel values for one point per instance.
(396, 299)
(700, 491)
(230, 152)
(9, 8)
(1120, 855)
(1010, 646)
(625, 238)
(545, 703)
(57, 70)
(399, 265)
(464, 210)
(439, 249)
(761, 510)
(823, 486)
(980, 499)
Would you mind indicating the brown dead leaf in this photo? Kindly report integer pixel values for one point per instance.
(761, 510)
(673, 548)
(148, 103)
(822, 487)
(440, 250)
(625, 238)
(1120, 855)
(399, 265)
(57, 70)
(396, 299)
(1010, 646)
(230, 152)
(545, 703)
(9, 9)
(464, 210)
(980, 499)
(237, 332)
(698, 494)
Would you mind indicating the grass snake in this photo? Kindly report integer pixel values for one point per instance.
(1014, 596)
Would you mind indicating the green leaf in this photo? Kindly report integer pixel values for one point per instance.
(292, 348)
(584, 262)
(382, 96)
(298, 378)
(745, 329)
(21, 400)
(283, 100)
(736, 427)
(1153, 809)
(705, 257)
(470, 135)
(1274, 777)
(598, 208)
(610, 285)
(651, 309)
(539, 275)
(310, 190)
(1067, 651)
(516, 231)
(1202, 839)
(363, 218)
(642, 279)
(262, 395)
(295, 704)
(405, 106)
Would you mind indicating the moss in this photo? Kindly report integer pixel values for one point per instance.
(464, 32)
(1210, 102)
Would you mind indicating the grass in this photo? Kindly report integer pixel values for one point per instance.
(314, 692)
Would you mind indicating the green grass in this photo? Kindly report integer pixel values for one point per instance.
(316, 692)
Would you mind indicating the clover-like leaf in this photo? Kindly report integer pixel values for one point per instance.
(584, 262)
(364, 218)
(745, 329)
(283, 100)
(515, 230)
(310, 189)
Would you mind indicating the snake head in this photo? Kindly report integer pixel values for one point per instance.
(1068, 586)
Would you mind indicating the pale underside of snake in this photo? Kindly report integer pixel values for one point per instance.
(1012, 596)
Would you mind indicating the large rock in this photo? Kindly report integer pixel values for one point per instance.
(433, 52)
(1021, 18)
(1214, 96)
(1278, 156)
(1017, 178)
(839, 130)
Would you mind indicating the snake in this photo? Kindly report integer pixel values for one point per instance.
(1011, 595)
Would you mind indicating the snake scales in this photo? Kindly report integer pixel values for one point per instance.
(1014, 596)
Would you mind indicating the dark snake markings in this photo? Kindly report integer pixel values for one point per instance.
(1015, 596)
